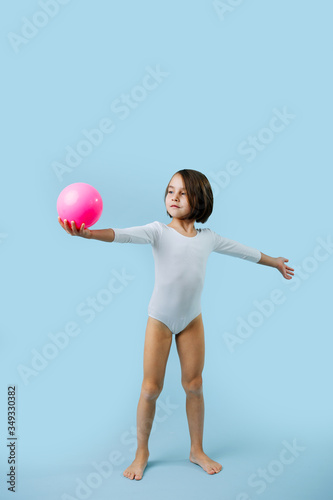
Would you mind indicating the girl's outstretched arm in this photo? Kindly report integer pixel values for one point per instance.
(95, 234)
(279, 263)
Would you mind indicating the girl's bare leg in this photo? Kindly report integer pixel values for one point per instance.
(158, 341)
(191, 350)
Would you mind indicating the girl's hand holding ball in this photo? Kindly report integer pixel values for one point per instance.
(73, 231)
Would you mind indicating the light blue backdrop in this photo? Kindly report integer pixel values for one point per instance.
(240, 91)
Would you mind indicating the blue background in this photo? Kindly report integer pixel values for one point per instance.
(225, 76)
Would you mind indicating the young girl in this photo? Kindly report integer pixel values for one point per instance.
(180, 253)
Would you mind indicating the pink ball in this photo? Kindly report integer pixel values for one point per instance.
(80, 202)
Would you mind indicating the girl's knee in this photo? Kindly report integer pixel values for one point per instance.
(193, 386)
(150, 389)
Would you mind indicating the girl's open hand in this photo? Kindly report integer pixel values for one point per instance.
(285, 270)
(83, 232)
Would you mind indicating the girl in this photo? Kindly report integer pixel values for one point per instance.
(180, 253)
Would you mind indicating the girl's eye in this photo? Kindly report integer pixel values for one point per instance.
(171, 192)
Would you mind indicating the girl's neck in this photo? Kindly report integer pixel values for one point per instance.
(183, 226)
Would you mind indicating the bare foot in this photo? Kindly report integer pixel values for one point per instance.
(135, 470)
(208, 465)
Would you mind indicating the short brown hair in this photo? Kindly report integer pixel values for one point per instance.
(199, 192)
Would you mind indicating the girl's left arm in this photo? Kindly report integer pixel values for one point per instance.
(279, 263)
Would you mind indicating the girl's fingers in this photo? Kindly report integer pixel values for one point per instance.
(66, 226)
(70, 227)
(74, 228)
(61, 222)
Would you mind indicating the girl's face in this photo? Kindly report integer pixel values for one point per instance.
(176, 201)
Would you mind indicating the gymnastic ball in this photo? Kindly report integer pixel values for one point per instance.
(80, 202)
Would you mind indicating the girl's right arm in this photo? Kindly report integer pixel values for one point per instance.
(95, 234)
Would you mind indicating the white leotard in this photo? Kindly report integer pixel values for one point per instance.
(180, 267)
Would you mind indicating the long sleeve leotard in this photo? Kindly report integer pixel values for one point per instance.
(180, 267)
